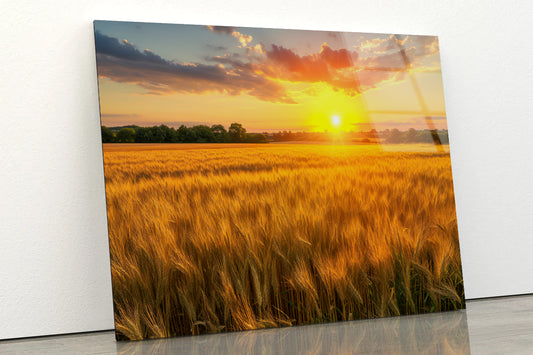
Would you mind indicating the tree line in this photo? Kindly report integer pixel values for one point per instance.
(236, 133)
(413, 136)
(392, 136)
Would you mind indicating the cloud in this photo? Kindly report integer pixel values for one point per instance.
(337, 58)
(122, 62)
(383, 45)
(385, 52)
(221, 29)
(426, 45)
(124, 50)
(315, 67)
(339, 68)
(330, 66)
(243, 39)
(231, 60)
(392, 61)
(324, 66)
(263, 71)
(346, 70)
(258, 48)
(306, 68)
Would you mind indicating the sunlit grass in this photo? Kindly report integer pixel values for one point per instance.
(209, 240)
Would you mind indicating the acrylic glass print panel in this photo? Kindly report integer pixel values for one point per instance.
(263, 178)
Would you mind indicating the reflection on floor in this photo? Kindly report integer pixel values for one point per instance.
(489, 326)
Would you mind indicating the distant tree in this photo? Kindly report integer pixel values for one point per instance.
(143, 135)
(395, 136)
(203, 134)
(444, 138)
(435, 136)
(424, 136)
(372, 134)
(174, 138)
(289, 136)
(237, 133)
(181, 133)
(186, 135)
(214, 134)
(410, 135)
(256, 138)
(126, 135)
(156, 134)
(107, 135)
(220, 133)
(166, 134)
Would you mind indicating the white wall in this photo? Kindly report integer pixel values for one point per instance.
(54, 263)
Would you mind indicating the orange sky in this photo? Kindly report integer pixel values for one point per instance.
(265, 79)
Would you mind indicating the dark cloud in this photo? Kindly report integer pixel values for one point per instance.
(243, 39)
(122, 62)
(216, 48)
(221, 29)
(338, 59)
(123, 49)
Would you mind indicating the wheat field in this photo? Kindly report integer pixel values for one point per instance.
(243, 237)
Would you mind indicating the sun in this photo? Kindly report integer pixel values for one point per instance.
(335, 121)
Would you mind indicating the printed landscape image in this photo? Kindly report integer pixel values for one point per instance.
(262, 178)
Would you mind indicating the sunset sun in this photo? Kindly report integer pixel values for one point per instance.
(335, 121)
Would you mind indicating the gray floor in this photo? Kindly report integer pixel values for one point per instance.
(490, 326)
